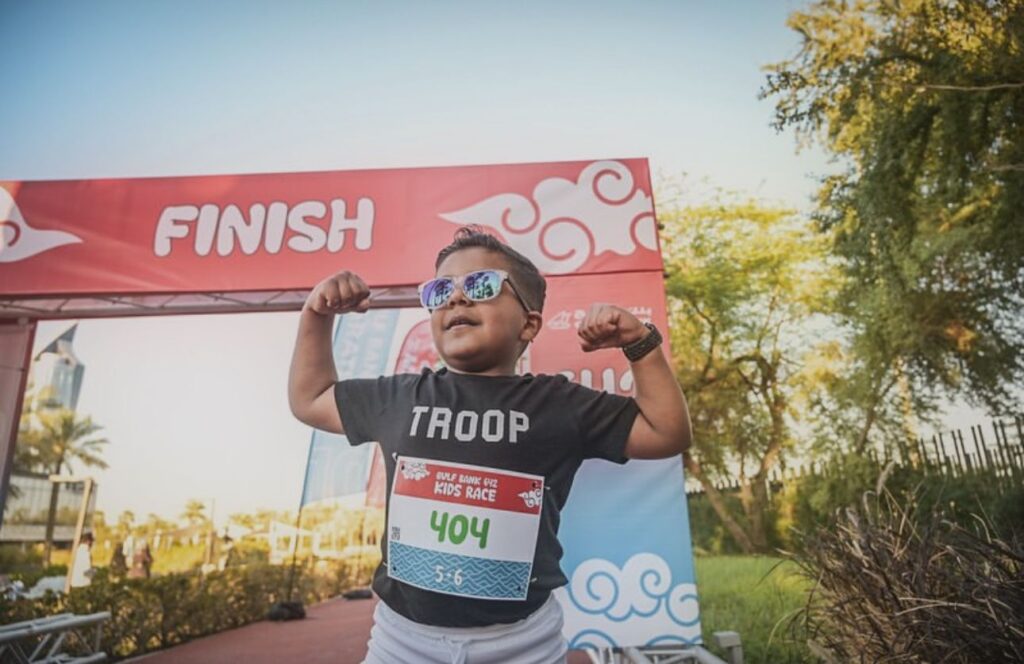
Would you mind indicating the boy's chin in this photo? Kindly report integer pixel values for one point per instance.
(470, 363)
(465, 366)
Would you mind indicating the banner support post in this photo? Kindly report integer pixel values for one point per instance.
(14, 370)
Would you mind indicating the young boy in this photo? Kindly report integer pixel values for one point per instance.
(485, 307)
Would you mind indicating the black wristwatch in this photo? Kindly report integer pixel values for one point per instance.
(641, 347)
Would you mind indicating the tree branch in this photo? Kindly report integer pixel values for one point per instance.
(701, 314)
(767, 319)
(778, 436)
(872, 415)
(718, 505)
(970, 88)
(711, 344)
(749, 382)
(711, 355)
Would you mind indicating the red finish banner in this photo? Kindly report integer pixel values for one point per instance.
(557, 347)
(287, 231)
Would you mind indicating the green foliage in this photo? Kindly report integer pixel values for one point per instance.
(261, 519)
(248, 552)
(179, 558)
(26, 564)
(194, 512)
(150, 614)
(744, 282)
(806, 505)
(923, 104)
(813, 501)
(750, 293)
(14, 558)
(710, 537)
(757, 597)
(56, 439)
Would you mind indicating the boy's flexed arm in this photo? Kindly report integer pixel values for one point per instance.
(312, 376)
(662, 429)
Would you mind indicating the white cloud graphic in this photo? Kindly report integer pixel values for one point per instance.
(633, 606)
(414, 470)
(18, 240)
(566, 223)
(532, 498)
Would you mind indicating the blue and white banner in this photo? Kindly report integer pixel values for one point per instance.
(628, 557)
(362, 345)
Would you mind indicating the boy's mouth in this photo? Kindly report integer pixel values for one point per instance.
(459, 321)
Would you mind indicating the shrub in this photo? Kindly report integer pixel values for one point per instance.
(247, 552)
(812, 500)
(809, 502)
(25, 564)
(18, 558)
(896, 582)
(150, 614)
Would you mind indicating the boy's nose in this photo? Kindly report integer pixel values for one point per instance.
(458, 295)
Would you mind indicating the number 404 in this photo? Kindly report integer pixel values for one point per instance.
(458, 527)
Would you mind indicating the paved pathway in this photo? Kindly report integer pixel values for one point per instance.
(333, 632)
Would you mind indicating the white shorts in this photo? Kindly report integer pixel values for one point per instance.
(537, 639)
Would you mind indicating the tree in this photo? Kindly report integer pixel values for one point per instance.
(922, 103)
(101, 529)
(28, 454)
(125, 523)
(749, 292)
(244, 520)
(195, 512)
(155, 525)
(59, 439)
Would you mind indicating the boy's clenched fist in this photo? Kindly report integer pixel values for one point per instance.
(339, 294)
(608, 326)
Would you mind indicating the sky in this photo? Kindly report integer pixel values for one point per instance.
(195, 407)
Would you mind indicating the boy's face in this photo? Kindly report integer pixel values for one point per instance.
(480, 337)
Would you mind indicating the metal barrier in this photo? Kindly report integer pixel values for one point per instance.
(728, 641)
(42, 641)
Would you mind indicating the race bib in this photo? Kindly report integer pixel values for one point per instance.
(463, 530)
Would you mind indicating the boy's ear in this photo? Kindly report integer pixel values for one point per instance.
(534, 321)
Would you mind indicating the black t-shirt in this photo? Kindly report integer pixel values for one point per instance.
(567, 423)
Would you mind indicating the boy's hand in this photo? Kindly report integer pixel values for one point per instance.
(608, 326)
(339, 294)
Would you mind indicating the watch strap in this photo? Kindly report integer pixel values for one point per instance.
(642, 347)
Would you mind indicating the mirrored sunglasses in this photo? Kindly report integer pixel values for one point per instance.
(478, 286)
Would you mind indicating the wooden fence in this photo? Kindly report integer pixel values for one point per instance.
(997, 449)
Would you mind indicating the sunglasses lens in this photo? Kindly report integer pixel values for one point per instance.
(436, 292)
(483, 285)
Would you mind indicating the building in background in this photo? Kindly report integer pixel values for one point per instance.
(57, 372)
(26, 509)
(56, 376)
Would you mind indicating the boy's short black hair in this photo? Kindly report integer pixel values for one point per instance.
(526, 277)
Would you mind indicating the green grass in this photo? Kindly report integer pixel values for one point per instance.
(755, 596)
